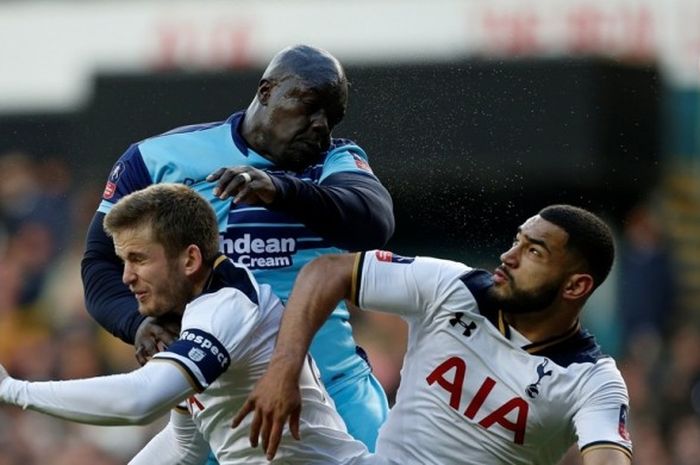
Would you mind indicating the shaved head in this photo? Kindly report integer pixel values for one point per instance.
(314, 66)
(301, 97)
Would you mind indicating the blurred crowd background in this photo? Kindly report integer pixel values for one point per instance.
(474, 114)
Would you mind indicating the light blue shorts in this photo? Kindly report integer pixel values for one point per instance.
(363, 406)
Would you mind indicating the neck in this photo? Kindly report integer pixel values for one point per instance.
(252, 133)
(201, 282)
(543, 324)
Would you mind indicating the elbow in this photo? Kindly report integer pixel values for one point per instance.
(377, 232)
(381, 224)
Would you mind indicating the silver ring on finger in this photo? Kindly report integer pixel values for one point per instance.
(246, 177)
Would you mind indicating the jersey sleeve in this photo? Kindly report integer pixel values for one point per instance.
(108, 300)
(349, 207)
(129, 174)
(347, 158)
(602, 417)
(408, 286)
(213, 328)
(138, 397)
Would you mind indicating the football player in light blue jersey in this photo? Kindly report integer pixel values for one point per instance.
(292, 193)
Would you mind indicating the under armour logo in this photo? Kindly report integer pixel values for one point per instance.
(533, 389)
(468, 327)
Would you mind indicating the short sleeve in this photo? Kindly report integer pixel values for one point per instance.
(213, 327)
(602, 419)
(406, 286)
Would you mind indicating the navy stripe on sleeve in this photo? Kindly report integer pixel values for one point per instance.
(210, 356)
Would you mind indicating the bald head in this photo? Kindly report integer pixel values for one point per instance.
(301, 97)
(314, 66)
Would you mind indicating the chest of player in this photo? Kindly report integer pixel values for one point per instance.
(474, 375)
(262, 239)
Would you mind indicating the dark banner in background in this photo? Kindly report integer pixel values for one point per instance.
(468, 150)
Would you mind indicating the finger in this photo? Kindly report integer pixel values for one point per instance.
(140, 356)
(274, 440)
(255, 428)
(294, 425)
(216, 174)
(265, 431)
(224, 180)
(237, 184)
(166, 337)
(244, 195)
(242, 413)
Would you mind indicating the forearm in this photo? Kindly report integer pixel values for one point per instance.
(138, 397)
(351, 210)
(320, 285)
(107, 299)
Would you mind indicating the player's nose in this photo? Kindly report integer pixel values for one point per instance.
(320, 124)
(128, 276)
(510, 257)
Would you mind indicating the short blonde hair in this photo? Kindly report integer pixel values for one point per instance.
(177, 215)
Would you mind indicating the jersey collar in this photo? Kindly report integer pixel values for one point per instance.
(535, 347)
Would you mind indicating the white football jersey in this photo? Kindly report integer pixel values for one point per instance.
(227, 337)
(473, 390)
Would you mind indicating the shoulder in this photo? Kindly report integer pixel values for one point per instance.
(434, 278)
(195, 130)
(578, 347)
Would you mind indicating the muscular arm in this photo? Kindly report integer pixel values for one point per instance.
(351, 209)
(276, 396)
(138, 397)
(310, 305)
(107, 299)
(604, 456)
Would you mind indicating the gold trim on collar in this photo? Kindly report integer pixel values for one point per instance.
(537, 346)
(354, 297)
(502, 325)
(219, 260)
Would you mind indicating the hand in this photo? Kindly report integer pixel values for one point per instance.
(155, 335)
(246, 184)
(274, 398)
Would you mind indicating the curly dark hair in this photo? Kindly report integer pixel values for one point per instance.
(589, 237)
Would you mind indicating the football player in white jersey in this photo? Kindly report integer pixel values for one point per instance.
(497, 369)
(167, 236)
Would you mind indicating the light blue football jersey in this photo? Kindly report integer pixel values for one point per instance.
(273, 245)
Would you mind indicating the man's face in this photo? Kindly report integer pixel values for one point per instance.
(299, 121)
(158, 282)
(534, 269)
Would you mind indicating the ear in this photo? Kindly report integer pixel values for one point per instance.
(264, 90)
(192, 260)
(578, 286)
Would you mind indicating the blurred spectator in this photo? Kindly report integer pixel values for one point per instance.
(685, 440)
(680, 375)
(646, 286)
(33, 203)
(44, 329)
